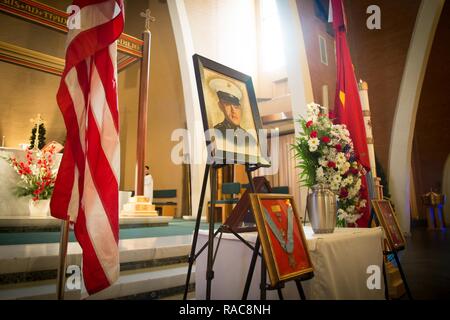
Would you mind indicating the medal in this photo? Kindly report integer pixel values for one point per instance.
(280, 235)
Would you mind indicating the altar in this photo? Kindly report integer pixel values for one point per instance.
(340, 260)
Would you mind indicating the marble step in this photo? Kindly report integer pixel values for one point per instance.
(49, 224)
(150, 281)
(45, 257)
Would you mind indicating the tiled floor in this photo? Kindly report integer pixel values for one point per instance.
(426, 262)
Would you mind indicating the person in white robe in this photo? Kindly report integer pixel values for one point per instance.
(148, 184)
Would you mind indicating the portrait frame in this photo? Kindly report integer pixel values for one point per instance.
(385, 215)
(281, 265)
(218, 154)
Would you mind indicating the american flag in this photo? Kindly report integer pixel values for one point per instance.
(86, 189)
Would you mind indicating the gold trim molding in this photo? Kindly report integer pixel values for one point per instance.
(31, 59)
(56, 19)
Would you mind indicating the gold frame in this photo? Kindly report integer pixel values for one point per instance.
(384, 224)
(266, 243)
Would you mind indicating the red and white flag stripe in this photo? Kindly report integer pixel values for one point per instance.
(87, 186)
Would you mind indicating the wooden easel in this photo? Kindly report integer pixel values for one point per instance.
(234, 219)
(390, 248)
(233, 225)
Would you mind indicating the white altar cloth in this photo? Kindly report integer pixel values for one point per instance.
(340, 263)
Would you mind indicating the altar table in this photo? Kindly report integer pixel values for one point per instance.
(340, 262)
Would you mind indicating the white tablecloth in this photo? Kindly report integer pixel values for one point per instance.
(340, 263)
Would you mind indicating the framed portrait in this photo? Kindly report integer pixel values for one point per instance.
(283, 241)
(230, 114)
(386, 217)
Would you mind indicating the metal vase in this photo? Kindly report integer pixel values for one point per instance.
(322, 209)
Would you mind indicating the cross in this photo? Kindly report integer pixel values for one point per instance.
(38, 121)
(148, 18)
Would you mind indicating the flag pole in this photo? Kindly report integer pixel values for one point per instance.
(60, 285)
(143, 105)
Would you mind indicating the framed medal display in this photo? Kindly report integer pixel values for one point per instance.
(282, 238)
(386, 217)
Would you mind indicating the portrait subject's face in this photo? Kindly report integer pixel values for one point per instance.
(233, 113)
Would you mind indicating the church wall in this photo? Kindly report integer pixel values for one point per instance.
(225, 31)
(321, 74)
(379, 58)
(26, 92)
(431, 135)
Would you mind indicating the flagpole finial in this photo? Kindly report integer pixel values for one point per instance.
(148, 18)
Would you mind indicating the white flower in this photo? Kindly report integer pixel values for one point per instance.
(347, 181)
(336, 179)
(313, 144)
(312, 112)
(319, 172)
(352, 218)
(323, 162)
(332, 154)
(363, 203)
(320, 175)
(344, 168)
(334, 186)
(340, 158)
(342, 215)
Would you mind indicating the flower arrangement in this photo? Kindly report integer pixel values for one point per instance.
(37, 174)
(326, 155)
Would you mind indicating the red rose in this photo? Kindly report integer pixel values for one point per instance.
(338, 147)
(309, 124)
(343, 193)
(313, 134)
(354, 171)
(331, 164)
(326, 139)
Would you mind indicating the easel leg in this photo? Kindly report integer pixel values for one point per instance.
(298, 283)
(263, 282)
(263, 279)
(386, 288)
(209, 266)
(251, 270)
(400, 269)
(280, 294)
(372, 214)
(197, 227)
(217, 247)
